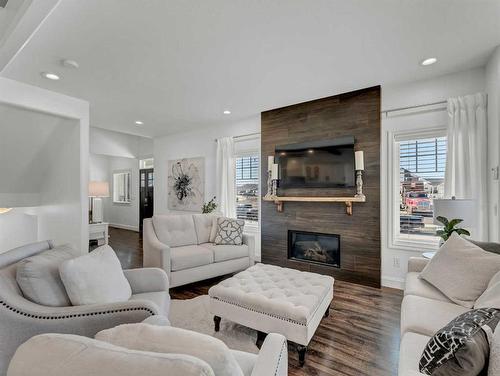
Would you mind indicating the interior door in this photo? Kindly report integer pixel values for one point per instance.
(146, 194)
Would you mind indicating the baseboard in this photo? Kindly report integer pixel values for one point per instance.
(395, 283)
(124, 227)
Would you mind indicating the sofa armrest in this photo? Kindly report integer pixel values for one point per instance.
(249, 240)
(156, 254)
(147, 280)
(273, 357)
(417, 264)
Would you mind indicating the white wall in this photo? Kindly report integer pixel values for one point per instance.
(18, 227)
(199, 143)
(493, 90)
(116, 144)
(415, 93)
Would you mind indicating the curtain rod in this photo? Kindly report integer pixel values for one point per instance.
(412, 107)
(244, 135)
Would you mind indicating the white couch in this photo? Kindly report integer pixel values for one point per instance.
(182, 245)
(424, 311)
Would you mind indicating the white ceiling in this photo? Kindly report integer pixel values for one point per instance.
(178, 64)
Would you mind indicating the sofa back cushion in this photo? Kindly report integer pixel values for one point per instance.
(203, 226)
(39, 280)
(175, 230)
(65, 354)
(167, 339)
(96, 278)
(488, 246)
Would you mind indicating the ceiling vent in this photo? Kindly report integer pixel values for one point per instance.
(3, 3)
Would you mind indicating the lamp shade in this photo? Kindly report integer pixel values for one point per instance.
(98, 189)
(464, 209)
(5, 210)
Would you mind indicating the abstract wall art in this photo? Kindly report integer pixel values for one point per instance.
(186, 184)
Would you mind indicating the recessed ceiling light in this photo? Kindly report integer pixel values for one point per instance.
(227, 112)
(138, 122)
(429, 61)
(50, 76)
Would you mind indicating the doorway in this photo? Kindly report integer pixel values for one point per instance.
(146, 193)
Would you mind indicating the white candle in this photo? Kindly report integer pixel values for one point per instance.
(360, 161)
(274, 172)
(270, 162)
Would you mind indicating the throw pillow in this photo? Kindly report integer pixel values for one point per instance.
(462, 346)
(461, 270)
(167, 339)
(491, 296)
(39, 280)
(229, 231)
(96, 278)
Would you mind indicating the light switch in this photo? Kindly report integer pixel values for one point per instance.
(494, 172)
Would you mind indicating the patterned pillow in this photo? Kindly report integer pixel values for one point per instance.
(462, 346)
(229, 231)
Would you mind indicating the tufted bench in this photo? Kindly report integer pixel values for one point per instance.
(273, 299)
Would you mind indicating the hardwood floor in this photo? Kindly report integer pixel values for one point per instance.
(360, 337)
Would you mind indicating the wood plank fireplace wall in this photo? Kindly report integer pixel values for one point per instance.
(358, 114)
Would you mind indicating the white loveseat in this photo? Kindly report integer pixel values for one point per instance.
(183, 246)
(424, 311)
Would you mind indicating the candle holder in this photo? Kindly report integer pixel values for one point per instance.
(269, 192)
(274, 192)
(359, 184)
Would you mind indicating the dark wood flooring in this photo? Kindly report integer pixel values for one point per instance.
(360, 337)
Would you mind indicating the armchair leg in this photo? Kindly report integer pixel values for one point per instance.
(302, 354)
(261, 336)
(217, 323)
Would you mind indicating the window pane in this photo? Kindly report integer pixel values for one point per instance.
(247, 189)
(422, 167)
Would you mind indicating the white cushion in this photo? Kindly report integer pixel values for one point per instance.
(491, 296)
(419, 287)
(203, 226)
(175, 230)
(39, 280)
(227, 252)
(190, 256)
(96, 278)
(426, 316)
(165, 339)
(65, 354)
(286, 293)
(161, 299)
(410, 351)
(213, 230)
(494, 363)
(461, 270)
(246, 361)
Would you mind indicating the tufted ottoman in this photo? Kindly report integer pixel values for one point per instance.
(273, 299)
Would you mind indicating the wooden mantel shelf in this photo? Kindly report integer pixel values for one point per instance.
(279, 200)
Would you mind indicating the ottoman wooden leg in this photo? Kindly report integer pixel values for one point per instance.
(327, 312)
(302, 354)
(261, 336)
(217, 323)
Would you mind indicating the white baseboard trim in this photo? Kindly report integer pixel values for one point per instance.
(125, 227)
(393, 282)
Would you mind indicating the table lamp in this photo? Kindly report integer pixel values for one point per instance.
(97, 190)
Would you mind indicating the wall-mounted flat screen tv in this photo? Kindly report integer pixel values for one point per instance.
(317, 164)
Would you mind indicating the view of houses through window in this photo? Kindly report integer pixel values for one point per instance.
(422, 170)
(247, 188)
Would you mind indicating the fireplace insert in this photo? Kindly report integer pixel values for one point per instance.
(314, 247)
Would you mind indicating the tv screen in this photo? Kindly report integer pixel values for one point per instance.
(320, 164)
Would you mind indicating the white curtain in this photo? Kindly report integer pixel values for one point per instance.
(226, 185)
(466, 159)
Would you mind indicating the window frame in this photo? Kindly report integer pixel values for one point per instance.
(395, 241)
(250, 227)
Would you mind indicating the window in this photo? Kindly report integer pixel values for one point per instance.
(247, 188)
(422, 165)
(146, 163)
(121, 187)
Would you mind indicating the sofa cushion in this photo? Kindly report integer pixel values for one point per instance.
(175, 230)
(39, 280)
(419, 287)
(167, 339)
(96, 278)
(65, 354)
(160, 298)
(190, 256)
(461, 270)
(203, 226)
(227, 252)
(410, 350)
(246, 361)
(488, 246)
(426, 316)
(494, 365)
(229, 231)
(490, 298)
(461, 347)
